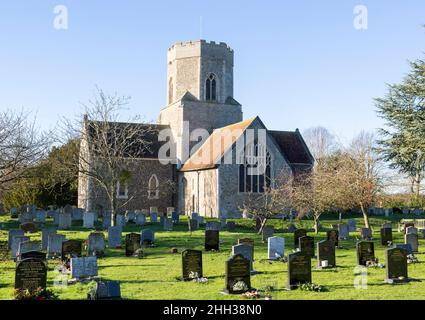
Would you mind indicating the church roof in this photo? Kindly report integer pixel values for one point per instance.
(141, 138)
(293, 146)
(208, 156)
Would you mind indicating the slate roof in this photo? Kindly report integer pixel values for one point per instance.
(293, 146)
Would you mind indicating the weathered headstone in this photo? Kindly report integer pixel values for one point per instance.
(343, 231)
(147, 237)
(247, 251)
(84, 267)
(13, 233)
(71, 249)
(267, 232)
(411, 230)
(132, 244)
(306, 245)
(212, 240)
(96, 245)
(326, 252)
(366, 234)
(88, 220)
(27, 246)
(191, 264)
(298, 234)
(16, 241)
(396, 265)
(412, 239)
(275, 248)
(238, 274)
(333, 236)
(365, 252)
(114, 237)
(106, 290)
(54, 245)
(65, 221)
(386, 236)
(31, 274)
(299, 269)
(45, 233)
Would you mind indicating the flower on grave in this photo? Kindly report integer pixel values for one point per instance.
(193, 275)
(412, 259)
(251, 295)
(312, 287)
(240, 286)
(201, 280)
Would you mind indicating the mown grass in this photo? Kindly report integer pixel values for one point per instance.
(155, 276)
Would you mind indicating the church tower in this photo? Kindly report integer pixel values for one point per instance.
(199, 90)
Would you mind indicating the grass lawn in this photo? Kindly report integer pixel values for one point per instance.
(154, 277)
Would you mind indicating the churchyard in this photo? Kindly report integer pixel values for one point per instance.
(158, 272)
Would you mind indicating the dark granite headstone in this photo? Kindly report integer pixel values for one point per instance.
(298, 234)
(132, 244)
(32, 254)
(147, 237)
(306, 245)
(212, 240)
(31, 274)
(238, 274)
(71, 249)
(191, 262)
(365, 252)
(230, 225)
(406, 247)
(326, 252)
(268, 232)
(386, 236)
(299, 269)
(396, 264)
(333, 236)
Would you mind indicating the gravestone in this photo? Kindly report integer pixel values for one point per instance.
(386, 236)
(107, 220)
(13, 213)
(213, 225)
(387, 225)
(191, 264)
(298, 234)
(45, 233)
(25, 217)
(71, 249)
(238, 271)
(120, 220)
(96, 245)
(412, 239)
(27, 246)
(84, 267)
(13, 233)
(168, 224)
(247, 251)
(200, 220)
(193, 224)
(411, 230)
(212, 240)
(114, 237)
(267, 232)
(306, 245)
(351, 225)
(299, 269)
(88, 220)
(175, 217)
(230, 226)
(365, 252)
(55, 217)
(67, 209)
(275, 248)
(77, 214)
(147, 237)
(153, 212)
(194, 215)
(333, 235)
(326, 252)
(407, 225)
(32, 254)
(16, 241)
(65, 221)
(140, 218)
(29, 227)
(161, 219)
(105, 290)
(366, 234)
(406, 247)
(396, 265)
(130, 216)
(54, 245)
(258, 223)
(31, 274)
(132, 244)
(40, 216)
(343, 231)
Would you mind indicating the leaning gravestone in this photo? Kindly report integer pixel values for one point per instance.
(29, 227)
(326, 252)
(412, 239)
(84, 267)
(132, 244)
(45, 233)
(31, 274)
(247, 251)
(298, 234)
(306, 245)
(351, 225)
(267, 233)
(396, 265)
(88, 220)
(16, 241)
(105, 290)
(275, 248)
(366, 234)
(147, 237)
(386, 236)
(343, 231)
(365, 252)
(299, 269)
(213, 225)
(114, 237)
(14, 233)
(191, 264)
(65, 221)
(96, 245)
(332, 235)
(212, 240)
(238, 275)
(54, 245)
(71, 249)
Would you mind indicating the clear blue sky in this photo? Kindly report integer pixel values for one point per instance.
(297, 63)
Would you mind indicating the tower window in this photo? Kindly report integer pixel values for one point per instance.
(153, 191)
(211, 88)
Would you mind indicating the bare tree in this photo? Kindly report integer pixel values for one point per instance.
(321, 142)
(109, 152)
(22, 146)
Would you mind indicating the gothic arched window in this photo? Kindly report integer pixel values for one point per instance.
(211, 88)
(153, 188)
(255, 169)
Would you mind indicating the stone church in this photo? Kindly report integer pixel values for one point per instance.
(214, 150)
